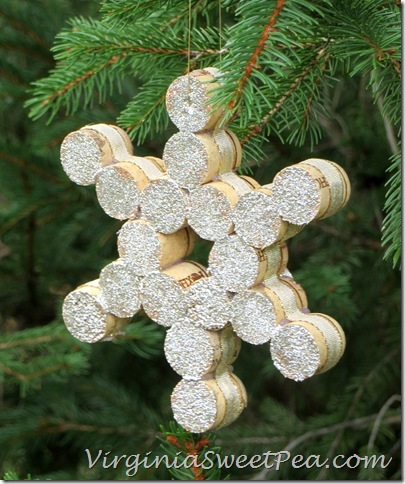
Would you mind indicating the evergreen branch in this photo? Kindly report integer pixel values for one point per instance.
(25, 212)
(192, 450)
(186, 446)
(152, 109)
(47, 426)
(356, 424)
(389, 130)
(35, 169)
(24, 28)
(380, 418)
(295, 84)
(31, 50)
(355, 402)
(381, 54)
(119, 10)
(80, 79)
(392, 225)
(252, 63)
(14, 79)
(32, 376)
(30, 341)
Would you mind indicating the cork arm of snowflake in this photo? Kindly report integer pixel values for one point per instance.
(246, 292)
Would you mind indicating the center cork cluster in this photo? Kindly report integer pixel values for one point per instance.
(245, 293)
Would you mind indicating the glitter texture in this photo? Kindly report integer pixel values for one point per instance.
(84, 317)
(163, 299)
(120, 289)
(117, 192)
(186, 105)
(297, 195)
(210, 213)
(233, 263)
(257, 220)
(189, 350)
(253, 317)
(294, 352)
(186, 159)
(194, 405)
(209, 304)
(138, 243)
(164, 204)
(81, 157)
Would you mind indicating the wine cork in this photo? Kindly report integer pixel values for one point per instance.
(333, 338)
(193, 352)
(211, 206)
(300, 295)
(153, 168)
(238, 266)
(214, 71)
(163, 294)
(230, 150)
(241, 183)
(85, 317)
(200, 406)
(85, 151)
(277, 259)
(310, 190)
(148, 250)
(118, 188)
(187, 102)
(194, 159)
(255, 314)
(158, 162)
(235, 264)
(164, 204)
(338, 182)
(306, 347)
(285, 294)
(120, 289)
(117, 138)
(257, 219)
(209, 304)
(186, 273)
(235, 397)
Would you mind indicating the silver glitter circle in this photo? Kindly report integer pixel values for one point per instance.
(297, 195)
(194, 405)
(189, 350)
(256, 219)
(186, 104)
(84, 317)
(164, 204)
(186, 159)
(138, 243)
(253, 317)
(209, 304)
(120, 289)
(81, 157)
(163, 299)
(294, 352)
(234, 263)
(209, 213)
(117, 193)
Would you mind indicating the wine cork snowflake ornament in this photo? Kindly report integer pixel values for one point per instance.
(245, 294)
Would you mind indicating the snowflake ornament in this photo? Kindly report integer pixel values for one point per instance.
(246, 292)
